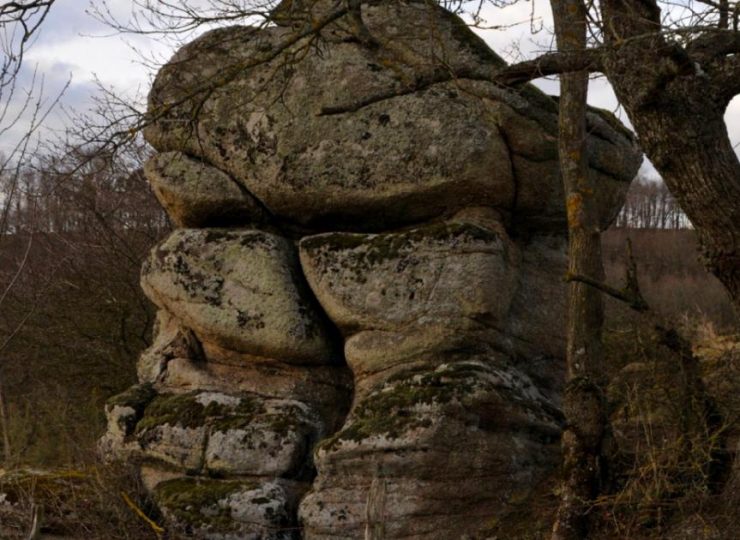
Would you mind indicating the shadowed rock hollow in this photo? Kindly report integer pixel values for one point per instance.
(360, 326)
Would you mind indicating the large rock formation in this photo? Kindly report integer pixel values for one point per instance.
(360, 329)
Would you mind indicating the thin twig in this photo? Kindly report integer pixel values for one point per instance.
(630, 294)
(158, 530)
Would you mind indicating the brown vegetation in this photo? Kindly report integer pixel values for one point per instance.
(94, 502)
(73, 350)
(73, 319)
(672, 277)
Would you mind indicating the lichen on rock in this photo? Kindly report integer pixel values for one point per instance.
(241, 289)
(195, 194)
(338, 140)
(415, 277)
(360, 319)
(226, 509)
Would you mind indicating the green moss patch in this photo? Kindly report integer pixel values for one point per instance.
(362, 252)
(199, 502)
(393, 410)
(239, 417)
(186, 411)
(137, 397)
(174, 409)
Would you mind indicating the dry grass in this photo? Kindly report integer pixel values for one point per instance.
(671, 434)
(77, 504)
(674, 470)
(678, 475)
(672, 278)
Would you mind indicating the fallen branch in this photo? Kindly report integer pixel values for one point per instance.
(159, 531)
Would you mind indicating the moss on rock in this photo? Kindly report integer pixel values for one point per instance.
(394, 409)
(381, 247)
(199, 502)
(237, 417)
(190, 410)
(173, 409)
(137, 397)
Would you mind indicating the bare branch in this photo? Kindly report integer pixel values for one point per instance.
(28, 16)
(714, 43)
(509, 76)
(630, 293)
(618, 294)
(354, 13)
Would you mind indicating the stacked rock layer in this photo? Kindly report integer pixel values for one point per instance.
(361, 309)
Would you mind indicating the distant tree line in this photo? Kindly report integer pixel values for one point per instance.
(78, 193)
(74, 229)
(650, 205)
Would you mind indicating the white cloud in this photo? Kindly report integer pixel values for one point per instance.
(732, 119)
(68, 46)
(111, 60)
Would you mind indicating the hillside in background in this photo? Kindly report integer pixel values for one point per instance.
(672, 278)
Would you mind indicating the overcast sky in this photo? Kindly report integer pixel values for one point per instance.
(73, 46)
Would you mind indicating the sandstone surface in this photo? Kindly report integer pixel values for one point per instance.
(339, 140)
(195, 194)
(240, 289)
(360, 328)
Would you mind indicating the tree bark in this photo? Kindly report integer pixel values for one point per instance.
(583, 402)
(676, 99)
(694, 156)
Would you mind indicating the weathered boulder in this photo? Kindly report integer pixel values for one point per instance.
(177, 362)
(215, 509)
(453, 273)
(434, 317)
(258, 448)
(204, 412)
(240, 289)
(427, 207)
(345, 138)
(222, 434)
(253, 425)
(434, 453)
(437, 287)
(195, 194)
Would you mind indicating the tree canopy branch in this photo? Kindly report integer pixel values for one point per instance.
(630, 293)
(713, 43)
(510, 76)
(727, 76)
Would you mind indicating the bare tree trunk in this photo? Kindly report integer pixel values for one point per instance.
(694, 155)
(583, 401)
(676, 106)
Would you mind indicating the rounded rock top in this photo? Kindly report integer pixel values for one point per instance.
(325, 129)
